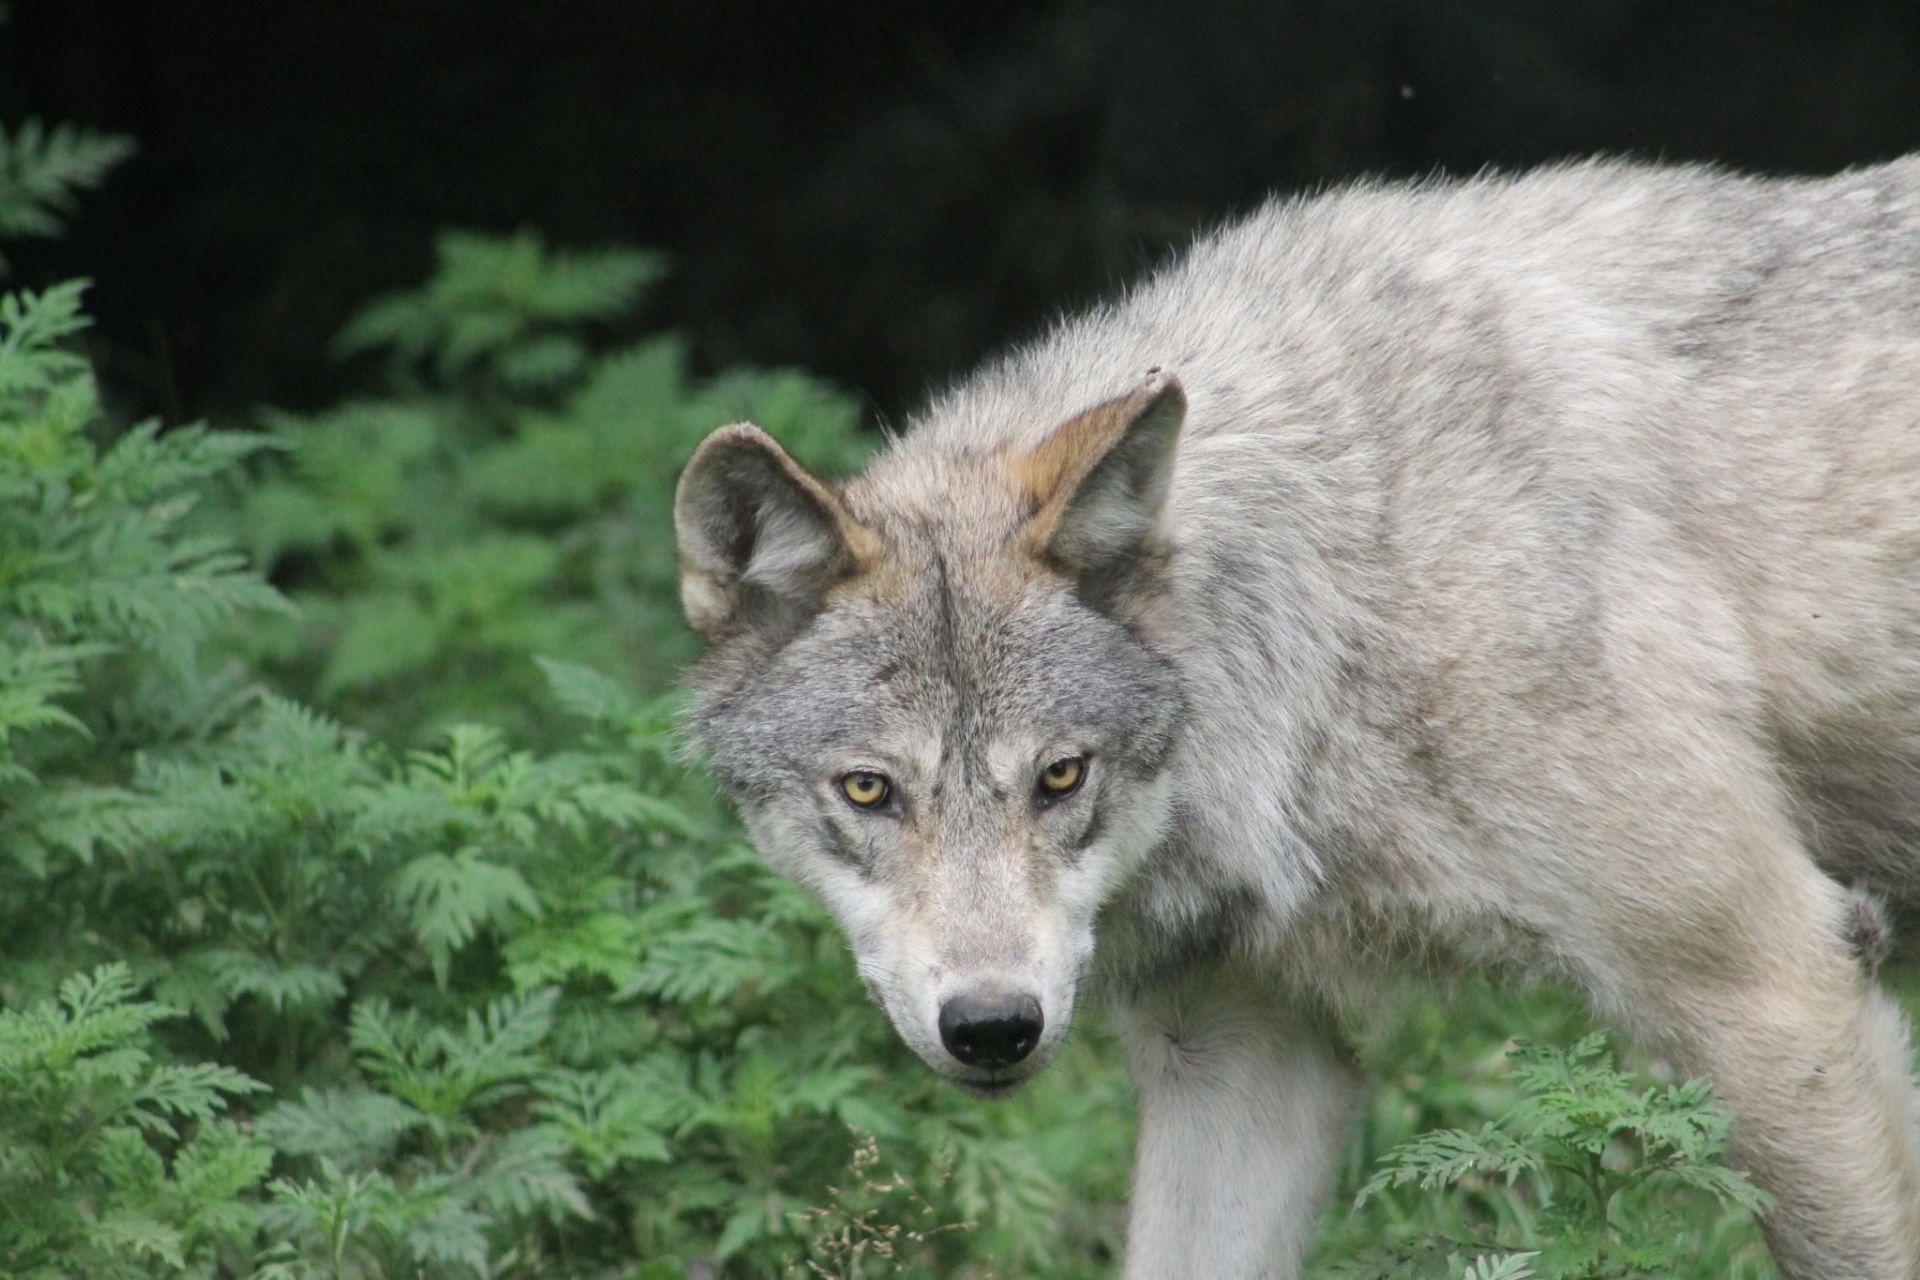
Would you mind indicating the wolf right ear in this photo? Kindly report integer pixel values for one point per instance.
(760, 537)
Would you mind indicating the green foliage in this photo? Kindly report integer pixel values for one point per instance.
(87, 560)
(506, 304)
(93, 562)
(1599, 1172)
(42, 170)
(83, 1190)
(408, 1175)
(510, 496)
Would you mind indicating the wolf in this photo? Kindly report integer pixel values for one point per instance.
(1520, 572)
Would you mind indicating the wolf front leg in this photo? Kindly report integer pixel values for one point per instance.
(1242, 1103)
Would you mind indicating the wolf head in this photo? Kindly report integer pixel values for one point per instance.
(928, 692)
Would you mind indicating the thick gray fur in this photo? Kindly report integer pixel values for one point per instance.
(1533, 580)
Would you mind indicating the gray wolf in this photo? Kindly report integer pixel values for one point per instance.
(1520, 572)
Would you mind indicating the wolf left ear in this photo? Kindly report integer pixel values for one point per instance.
(761, 539)
(1099, 482)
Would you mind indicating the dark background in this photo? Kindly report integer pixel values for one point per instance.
(879, 192)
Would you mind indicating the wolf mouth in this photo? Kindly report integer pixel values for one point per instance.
(993, 1088)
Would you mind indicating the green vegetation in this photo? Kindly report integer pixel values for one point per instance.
(1603, 1158)
(508, 495)
(372, 926)
(42, 170)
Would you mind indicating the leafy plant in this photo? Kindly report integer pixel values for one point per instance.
(83, 1189)
(1605, 1164)
(1511, 1266)
(43, 169)
(510, 495)
(409, 1178)
(103, 597)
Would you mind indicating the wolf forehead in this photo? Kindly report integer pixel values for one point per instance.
(938, 641)
(980, 589)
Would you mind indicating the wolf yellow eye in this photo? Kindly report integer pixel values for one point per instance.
(866, 790)
(1062, 777)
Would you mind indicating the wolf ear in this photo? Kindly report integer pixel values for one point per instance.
(759, 536)
(1099, 482)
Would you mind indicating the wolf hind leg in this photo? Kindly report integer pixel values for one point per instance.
(1242, 1104)
(1823, 1120)
(1768, 1000)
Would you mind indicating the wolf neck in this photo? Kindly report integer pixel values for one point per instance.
(1270, 627)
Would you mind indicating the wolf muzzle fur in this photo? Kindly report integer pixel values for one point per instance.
(1519, 572)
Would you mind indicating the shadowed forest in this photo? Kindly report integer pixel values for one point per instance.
(359, 915)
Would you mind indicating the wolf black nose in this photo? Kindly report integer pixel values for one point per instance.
(990, 1031)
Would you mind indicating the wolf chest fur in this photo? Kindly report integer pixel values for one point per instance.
(1523, 571)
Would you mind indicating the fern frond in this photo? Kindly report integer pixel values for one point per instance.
(448, 899)
(605, 1117)
(32, 325)
(352, 1127)
(524, 1172)
(711, 960)
(281, 986)
(488, 293)
(604, 944)
(1443, 1157)
(195, 1091)
(42, 168)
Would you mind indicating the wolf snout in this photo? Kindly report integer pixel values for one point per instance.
(992, 1030)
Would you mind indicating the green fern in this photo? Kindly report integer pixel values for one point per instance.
(1603, 1157)
(104, 595)
(509, 497)
(606, 1117)
(509, 302)
(409, 1175)
(43, 169)
(86, 1115)
(445, 1074)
